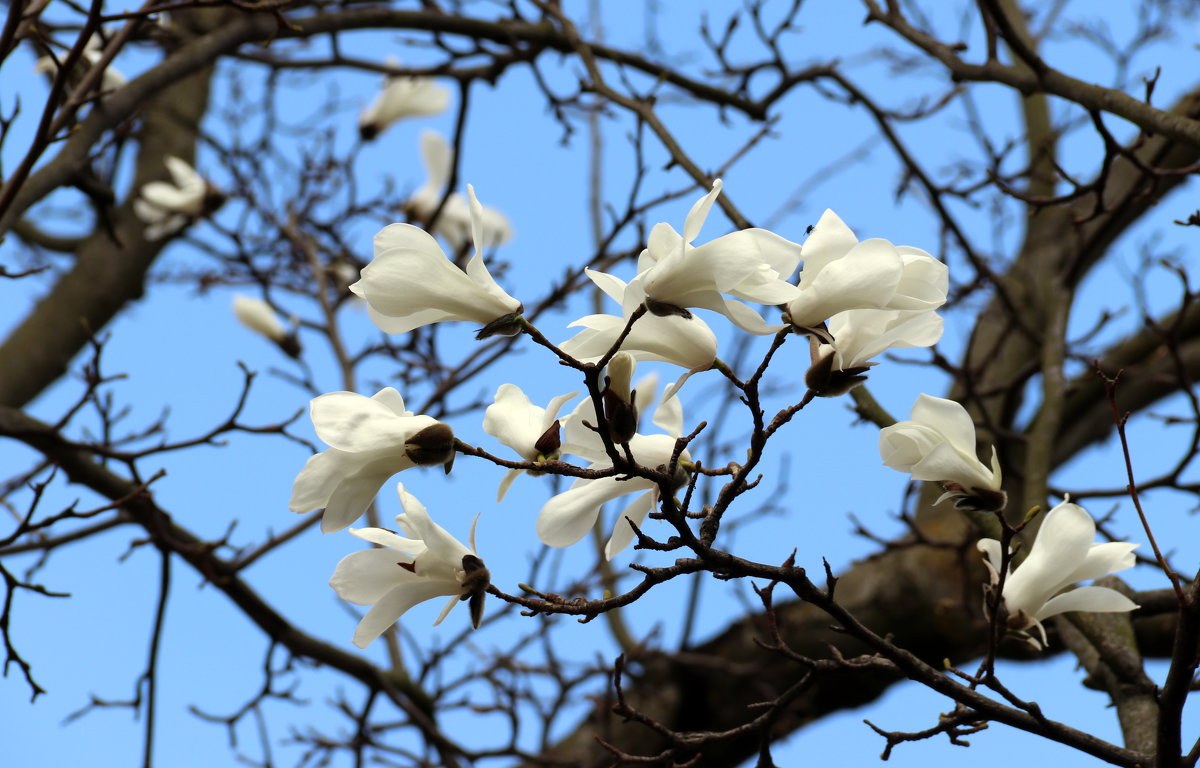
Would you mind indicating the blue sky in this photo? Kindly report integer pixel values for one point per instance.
(178, 350)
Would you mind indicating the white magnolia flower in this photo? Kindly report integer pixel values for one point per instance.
(426, 562)
(370, 439)
(169, 207)
(530, 430)
(411, 283)
(112, 78)
(752, 265)
(860, 334)
(453, 223)
(567, 517)
(1063, 553)
(938, 444)
(840, 273)
(402, 96)
(684, 341)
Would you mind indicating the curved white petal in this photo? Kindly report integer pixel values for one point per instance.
(567, 517)
(393, 605)
(622, 534)
(364, 577)
(1090, 599)
(506, 482)
(355, 492)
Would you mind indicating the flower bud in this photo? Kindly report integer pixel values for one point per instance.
(475, 581)
(506, 325)
(826, 381)
(258, 316)
(620, 374)
(548, 444)
(432, 445)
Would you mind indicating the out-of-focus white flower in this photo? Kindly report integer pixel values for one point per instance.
(370, 439)
(684, 341)
(840, 274)
(426, 562)
(258, 316)
(752, 265)
(112, 78)
(453, 223)
(169, 207)
(411, 283)
(1063, 553)
(530, 430)
(567, 517)
(402, 96)
(938, 444)
(860, 334)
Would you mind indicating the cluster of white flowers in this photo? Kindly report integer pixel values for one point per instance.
(853, 299)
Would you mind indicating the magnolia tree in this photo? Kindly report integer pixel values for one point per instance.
(197, 154)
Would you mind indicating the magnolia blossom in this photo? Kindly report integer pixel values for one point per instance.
(938, 444)
(258, 316)
(567, 517)
(370, 439)
(112, 78)
(402, 97)
(169, 207)
(453, 223)
(752, 265)
(860, 334)
(840, 273)
(530, 430)
(684, 341)
(411, 283)
(426, 562)
(1063, 553)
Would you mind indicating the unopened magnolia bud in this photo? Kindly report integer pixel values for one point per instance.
(258, 316)
(432, 445)
(620, 374)
(508, 325)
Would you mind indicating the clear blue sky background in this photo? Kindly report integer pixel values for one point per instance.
(179, 351)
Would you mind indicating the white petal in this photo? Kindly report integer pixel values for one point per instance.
(949, 419)
(567, 517)
(393, 605)
(507, 481)
(1089, 599)
(364, 577)
(622, 533)
(399, 545)
(699, 213)
(355, 492)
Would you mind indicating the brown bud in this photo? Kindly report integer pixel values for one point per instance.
(662, 309)
(506, 325)
(290, 344)
(476, 579)
(827, 381)
(432, 445)
(622, 417)
(550, 441)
